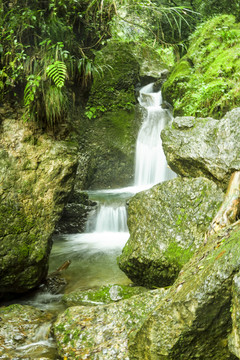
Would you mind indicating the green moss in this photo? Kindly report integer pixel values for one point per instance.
(103, 295)
(206, 80)
(175, 254)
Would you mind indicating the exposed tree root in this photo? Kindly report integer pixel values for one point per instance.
(230, 209)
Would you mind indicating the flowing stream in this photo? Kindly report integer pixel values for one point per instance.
(93, 253)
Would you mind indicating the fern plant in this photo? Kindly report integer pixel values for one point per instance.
(58, 73)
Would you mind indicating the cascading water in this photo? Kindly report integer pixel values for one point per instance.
(111, 218)
(151, 165)
(93, 254)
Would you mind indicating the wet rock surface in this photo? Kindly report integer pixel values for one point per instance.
(101, 332)
(25, 333)
(204, 147)
(36, 177)
(75, 213)
(104, 295)
(194, 319)
(167, 224)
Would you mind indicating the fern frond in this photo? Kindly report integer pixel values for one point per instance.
(57, 72)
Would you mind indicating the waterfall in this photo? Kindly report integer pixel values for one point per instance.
(150, 162)
(93, 253)
(111, 218)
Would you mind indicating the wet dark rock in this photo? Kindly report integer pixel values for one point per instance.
(75, 214)
(204, 146)
(159, 83)
(167, 224)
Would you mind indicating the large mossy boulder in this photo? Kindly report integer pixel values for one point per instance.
(204, 146)
(206, 80)
(36, 177)
(167, 224)
(194, 319)
(112, 127)
(189, 321)
(101, 332)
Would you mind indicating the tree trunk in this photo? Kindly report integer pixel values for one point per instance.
(230, 209)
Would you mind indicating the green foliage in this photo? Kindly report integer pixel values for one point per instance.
(57, 72)
(45, 43)
(206, 81)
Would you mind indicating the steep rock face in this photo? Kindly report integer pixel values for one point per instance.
(36, 177)
(204, 147)
(204, 82)
(167, 224)
(191, 320)
(194, 319)
(113, 127)
(113, 121)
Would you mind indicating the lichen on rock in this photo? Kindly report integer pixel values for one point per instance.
(101, 332)
(167, 225)
(103, 295)
(204, 146)
(36, 177)
(194, 320)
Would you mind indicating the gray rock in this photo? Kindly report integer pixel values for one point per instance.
(194, 319)
(101, 332)
(204, 146)
(167, 224)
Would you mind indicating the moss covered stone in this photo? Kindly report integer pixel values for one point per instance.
(22, 328)
(113, 125)
(36, 178)
(101, 332)
(194, 319)
(205, 81)
(104, 295)
(234, 337)
(167, 224)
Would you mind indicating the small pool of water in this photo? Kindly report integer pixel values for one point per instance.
(93, 259)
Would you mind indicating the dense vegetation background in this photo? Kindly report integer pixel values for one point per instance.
(47, 47)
